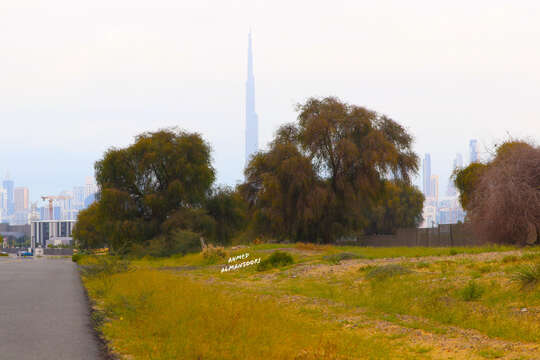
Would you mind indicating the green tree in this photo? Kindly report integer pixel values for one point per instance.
(466, 180)
(145, 186)
(399, 206)
(227, 209)
(284, 193)
(90, 230)
(322, 172)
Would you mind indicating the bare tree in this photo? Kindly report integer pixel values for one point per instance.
(506, 200)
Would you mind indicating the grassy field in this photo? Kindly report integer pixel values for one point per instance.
(331, 303)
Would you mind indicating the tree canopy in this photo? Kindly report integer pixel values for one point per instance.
(322, 172)
(160, 184)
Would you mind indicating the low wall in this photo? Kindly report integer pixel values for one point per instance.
(57, 252)
(46, 251)
(447, 235)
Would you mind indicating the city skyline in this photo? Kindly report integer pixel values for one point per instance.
(120, 71)
(18, 208)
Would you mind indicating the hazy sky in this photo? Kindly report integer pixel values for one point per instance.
(77, 77)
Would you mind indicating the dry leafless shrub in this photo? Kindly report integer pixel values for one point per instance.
(506, 203)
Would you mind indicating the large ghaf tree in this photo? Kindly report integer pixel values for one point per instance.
(322, 172)
(162, 176)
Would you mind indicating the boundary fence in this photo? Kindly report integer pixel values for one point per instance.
(446, 235)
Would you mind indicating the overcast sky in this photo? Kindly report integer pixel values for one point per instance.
(77, 77)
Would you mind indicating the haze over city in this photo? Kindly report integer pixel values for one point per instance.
(79, 77)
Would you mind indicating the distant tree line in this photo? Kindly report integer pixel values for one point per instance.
(339, 170)
(502, 196)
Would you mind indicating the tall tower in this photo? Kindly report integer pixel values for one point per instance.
(427, 175)
(252, 121)
(8, 185)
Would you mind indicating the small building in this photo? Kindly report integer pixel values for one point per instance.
(44, 232)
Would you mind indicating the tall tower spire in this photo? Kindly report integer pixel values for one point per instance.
(252, 121)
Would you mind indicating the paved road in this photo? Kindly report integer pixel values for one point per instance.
(44, 312)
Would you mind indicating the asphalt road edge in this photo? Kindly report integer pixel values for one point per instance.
(97, 318)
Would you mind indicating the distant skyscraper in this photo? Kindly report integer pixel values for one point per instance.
(473, 150)
(427, 175)
(78, 197)
(457, 164)
(252, 121)
(90, 187)
(21, 198)
(3, 204)
(8, 186)
(434, 191)
(458, 161)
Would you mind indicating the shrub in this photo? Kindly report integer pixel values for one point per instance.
(510, 258)
(76, 257)
(527, 274)
(184, 242)
(453, 252)
(310, 246)
(277, 259)
(178, 242)
(213, 254)
(336, 258)
(530, 256)
(105, 266)
(2, 254)
(387, 271)
(472, 291)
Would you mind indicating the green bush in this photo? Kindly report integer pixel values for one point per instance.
(76, 257)
(336, 258)
(472, 291)
(527, 274)
(277, 259)
(509, 259)
(105, 266)
(453, 252)
(178, 242)
(214, 254)
(530, 256)
(387, 271)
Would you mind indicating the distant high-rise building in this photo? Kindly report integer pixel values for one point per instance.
(90, 187)
(473, 150)
(8, 186)
(21, 198)
(252, 121)
(78, 197)
(457, 164)
(3, 204)
(427, 175)
(434, 190)
(458, 161)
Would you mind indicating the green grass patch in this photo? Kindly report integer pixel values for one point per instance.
(387, 271)
(276, 260)
(337, 258)
(527, 274)
(157, 315)
(472, 291)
